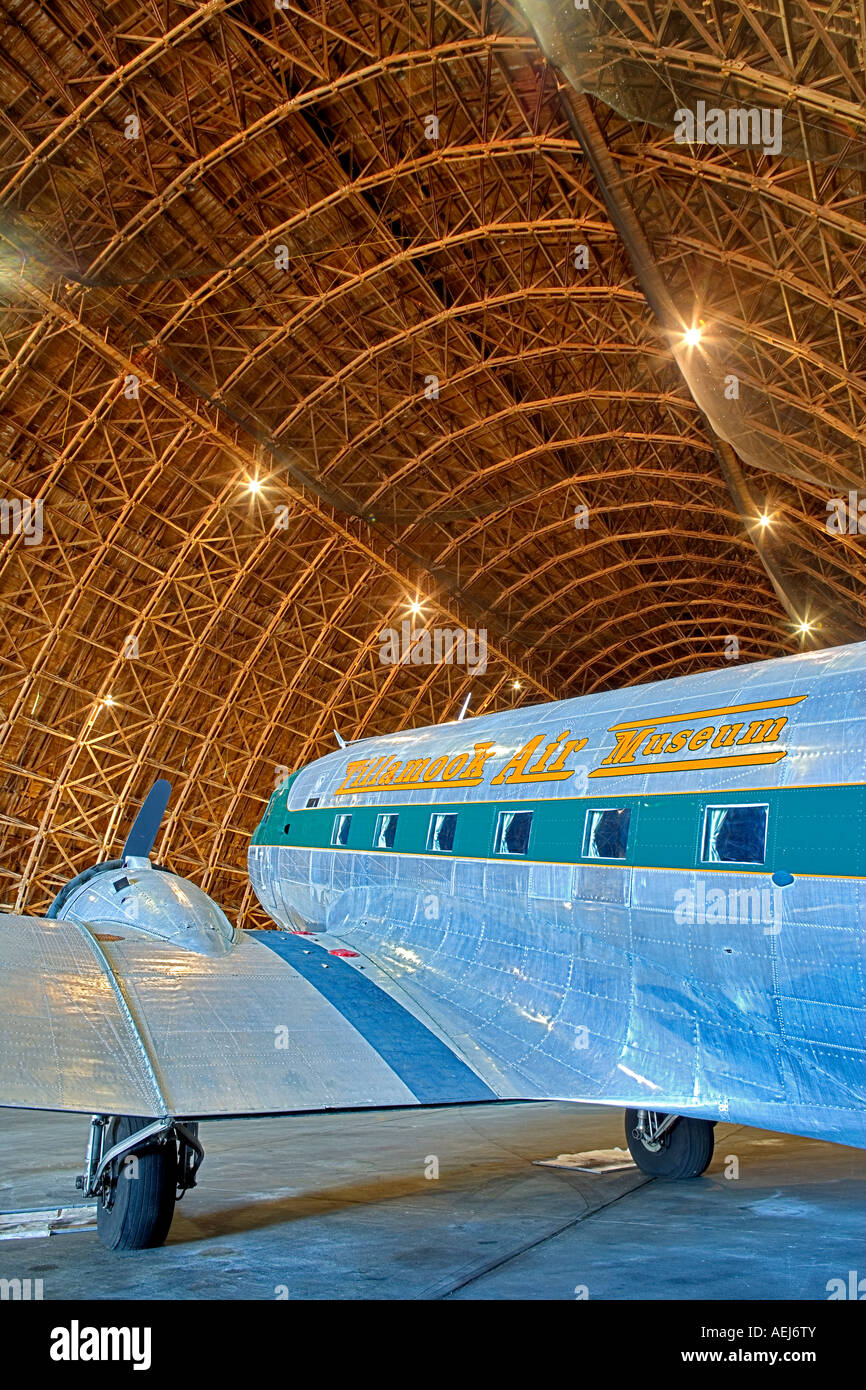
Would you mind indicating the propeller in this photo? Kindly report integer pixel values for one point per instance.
(145, 827)
(139, 843)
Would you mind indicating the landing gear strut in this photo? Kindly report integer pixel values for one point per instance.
(669, 1146)
(137, 1169)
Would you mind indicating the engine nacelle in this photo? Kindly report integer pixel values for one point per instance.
(134, 894)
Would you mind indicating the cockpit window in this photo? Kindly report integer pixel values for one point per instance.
(735, 835)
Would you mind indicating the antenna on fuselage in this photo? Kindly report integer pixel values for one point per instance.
(341, 741)
(464, 707)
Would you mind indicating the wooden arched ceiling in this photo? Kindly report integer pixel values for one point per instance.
(261, 285)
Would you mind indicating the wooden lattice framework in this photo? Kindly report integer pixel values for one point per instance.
(235, 247)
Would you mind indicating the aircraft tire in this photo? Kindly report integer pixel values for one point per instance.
(686, 1149)
(143, 1198)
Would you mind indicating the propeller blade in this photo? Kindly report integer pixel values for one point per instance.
(145, 827)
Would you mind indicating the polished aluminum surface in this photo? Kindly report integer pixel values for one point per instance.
(169, 907)
(576, 982)
(155, 1029)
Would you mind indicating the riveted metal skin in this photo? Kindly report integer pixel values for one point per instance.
(708, 988)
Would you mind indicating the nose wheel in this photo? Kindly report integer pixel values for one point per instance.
(669, 1146)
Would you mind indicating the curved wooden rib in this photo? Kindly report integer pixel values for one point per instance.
(258, 615)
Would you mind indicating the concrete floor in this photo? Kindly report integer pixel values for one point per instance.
(338, 1207)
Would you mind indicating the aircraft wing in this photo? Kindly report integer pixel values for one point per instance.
(103, 1019)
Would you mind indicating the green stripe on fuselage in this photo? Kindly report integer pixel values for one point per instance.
(811, 830)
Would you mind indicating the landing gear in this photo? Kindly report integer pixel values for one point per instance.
(669, 1146)
(136, 1169)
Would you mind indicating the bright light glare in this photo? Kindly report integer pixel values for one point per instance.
(415, 607)
(805, 626)
(764, 520)
(516, 685)
(692, 337)
(254, 485)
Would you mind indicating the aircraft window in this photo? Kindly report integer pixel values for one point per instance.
(340, 832)
(512, 832)
(605, 834)
(735, 835)
(386, 829)
(441, 834)
(312, 801)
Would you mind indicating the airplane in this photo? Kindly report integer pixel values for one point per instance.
(646, 898)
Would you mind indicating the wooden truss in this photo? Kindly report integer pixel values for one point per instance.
(314, 312)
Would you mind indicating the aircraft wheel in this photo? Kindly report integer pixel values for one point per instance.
(684, 1151)
(136, 1203)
